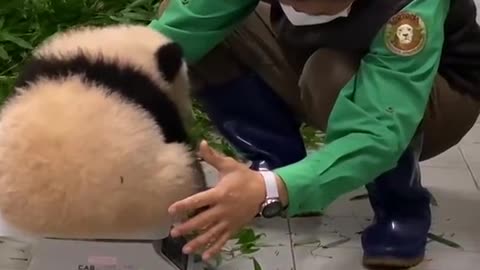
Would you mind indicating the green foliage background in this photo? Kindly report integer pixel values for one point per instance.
(25, 23)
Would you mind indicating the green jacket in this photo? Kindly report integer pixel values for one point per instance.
(375, 115)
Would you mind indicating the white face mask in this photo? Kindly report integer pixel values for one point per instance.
(300, 18)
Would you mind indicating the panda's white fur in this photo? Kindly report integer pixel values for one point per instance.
(78, 161)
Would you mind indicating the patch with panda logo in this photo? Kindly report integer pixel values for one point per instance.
(405, 34)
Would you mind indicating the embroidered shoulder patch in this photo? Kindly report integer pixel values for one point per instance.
(405, 34)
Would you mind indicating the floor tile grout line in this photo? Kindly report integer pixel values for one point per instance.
(469, 168)
(447, 167)
(292, 251)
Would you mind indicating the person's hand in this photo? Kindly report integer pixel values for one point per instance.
(232, 204)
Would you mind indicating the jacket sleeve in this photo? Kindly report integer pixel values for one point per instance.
(199, 25)
(374, 118)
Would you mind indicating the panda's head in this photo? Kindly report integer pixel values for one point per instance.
(94, 141)
(141, 64)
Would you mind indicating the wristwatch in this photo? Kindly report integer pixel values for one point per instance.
(272, 206)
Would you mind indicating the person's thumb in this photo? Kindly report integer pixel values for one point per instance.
(211, 156)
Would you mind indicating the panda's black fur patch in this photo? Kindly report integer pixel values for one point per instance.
(169, 60)
(128, 81)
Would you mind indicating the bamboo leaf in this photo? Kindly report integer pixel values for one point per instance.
(337, 243)
(245, 236)
(256, 265)
(359, 197)
(440, 239)
(118, 19)
(135, 16)
(138, 3)
(5, 36)
(248, 249)
(4, 54)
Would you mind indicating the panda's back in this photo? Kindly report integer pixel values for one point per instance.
(87, 147)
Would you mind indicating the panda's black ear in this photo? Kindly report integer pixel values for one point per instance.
(169, 60)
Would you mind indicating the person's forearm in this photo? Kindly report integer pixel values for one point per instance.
(201, 24)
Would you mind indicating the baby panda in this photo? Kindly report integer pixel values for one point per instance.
(94, 142)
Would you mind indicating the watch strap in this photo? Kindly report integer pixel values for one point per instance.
(270, 184)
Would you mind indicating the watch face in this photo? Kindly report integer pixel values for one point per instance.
(272, 209)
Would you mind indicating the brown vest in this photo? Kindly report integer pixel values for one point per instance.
(460, 63)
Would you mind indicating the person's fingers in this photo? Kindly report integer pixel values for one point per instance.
(194, 203)
(217, 247)
(212, 157)
(197, 222)
(206, 238)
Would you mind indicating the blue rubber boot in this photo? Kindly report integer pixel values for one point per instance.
(255, 121)
(398, 235)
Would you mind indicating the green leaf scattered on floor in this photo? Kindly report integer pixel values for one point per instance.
(314, 242)
(359, 197)
(440, 239)
(318, 243)
(433, 200)
(256, 265)
(337, 243)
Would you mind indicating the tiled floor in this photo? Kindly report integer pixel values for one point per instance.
(453, 178)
